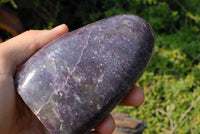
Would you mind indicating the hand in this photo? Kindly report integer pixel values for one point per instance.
(15, 117)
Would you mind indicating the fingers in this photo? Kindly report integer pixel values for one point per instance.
(106, 126)
(18, 49)
(134, 98)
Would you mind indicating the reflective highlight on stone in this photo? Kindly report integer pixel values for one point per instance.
(75, 81)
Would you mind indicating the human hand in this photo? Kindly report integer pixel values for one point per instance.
(15, 116)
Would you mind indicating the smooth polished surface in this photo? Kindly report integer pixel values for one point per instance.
(74, 82)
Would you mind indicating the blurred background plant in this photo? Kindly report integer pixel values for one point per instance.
(172, 80)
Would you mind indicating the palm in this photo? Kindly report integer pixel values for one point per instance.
(14, 114)
(28, 122)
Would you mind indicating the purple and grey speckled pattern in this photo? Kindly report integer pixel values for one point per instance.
(76, 80)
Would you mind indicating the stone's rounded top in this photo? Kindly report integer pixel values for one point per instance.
(127, 16)
(127, 19)
(130, 25)
(134, 28)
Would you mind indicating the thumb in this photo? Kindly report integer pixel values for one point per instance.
(17, 50)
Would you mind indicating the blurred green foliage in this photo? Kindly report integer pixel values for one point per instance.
(165, 16)
(12, 2)
(172, 80)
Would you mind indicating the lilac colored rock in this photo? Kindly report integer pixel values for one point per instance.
(75, 81)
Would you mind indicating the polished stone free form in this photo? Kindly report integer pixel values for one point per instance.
(75, 81)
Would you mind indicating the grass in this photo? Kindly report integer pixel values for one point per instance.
(171, 85)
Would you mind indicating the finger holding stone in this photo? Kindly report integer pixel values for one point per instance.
(134, 98)
(106, 126)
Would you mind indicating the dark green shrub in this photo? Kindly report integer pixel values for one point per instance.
(165, 16)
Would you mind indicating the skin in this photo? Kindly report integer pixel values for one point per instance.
(15, 117)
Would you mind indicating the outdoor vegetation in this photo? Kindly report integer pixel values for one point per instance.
(171, 82)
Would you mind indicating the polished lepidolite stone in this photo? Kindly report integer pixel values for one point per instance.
(75, 81)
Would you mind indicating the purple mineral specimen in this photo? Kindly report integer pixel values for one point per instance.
(75, 81)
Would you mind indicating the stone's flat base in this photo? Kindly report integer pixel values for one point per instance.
(75, 81)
